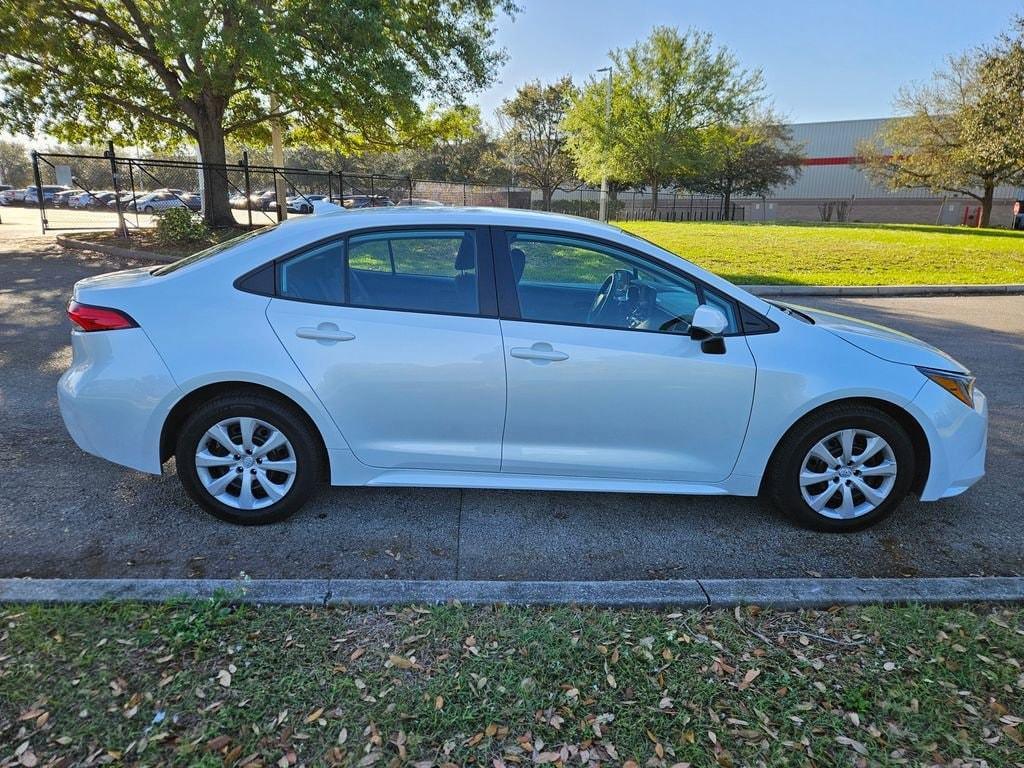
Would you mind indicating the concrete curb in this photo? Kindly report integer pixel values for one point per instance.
(757, 290)
(786, 594)
(790, 291)
(114, 250)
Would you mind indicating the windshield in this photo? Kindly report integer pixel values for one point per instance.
(213, 250)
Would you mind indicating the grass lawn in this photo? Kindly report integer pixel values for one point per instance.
(843, 254)
(208, 684)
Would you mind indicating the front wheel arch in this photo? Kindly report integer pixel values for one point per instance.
(181, 410)
(922, 451)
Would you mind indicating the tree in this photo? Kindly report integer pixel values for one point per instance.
(533, 141)
(667, 90)
(15, 164)
(745, 159)
(161, 73)
(960, 133)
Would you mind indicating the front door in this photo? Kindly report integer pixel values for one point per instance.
(387, 328)
(603, 379)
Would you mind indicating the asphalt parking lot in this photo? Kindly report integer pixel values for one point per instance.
(64, 513)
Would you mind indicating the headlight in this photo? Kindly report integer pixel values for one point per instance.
(959, 385)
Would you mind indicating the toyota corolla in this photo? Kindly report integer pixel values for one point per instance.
(482, 348)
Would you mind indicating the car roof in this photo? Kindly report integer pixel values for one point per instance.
(325, 224)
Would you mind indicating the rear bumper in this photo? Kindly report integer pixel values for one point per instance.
(957, 438)
(115, 395)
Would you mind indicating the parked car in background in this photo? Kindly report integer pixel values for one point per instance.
(97, 198)
(13, 196)
(154, 202)
(63, 199)
(49, 190)
(303, 203)
(487, 348)
(366, 201)
(124, 200)
(238, 200)
(422, 202)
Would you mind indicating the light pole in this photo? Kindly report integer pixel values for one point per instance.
(603, 215)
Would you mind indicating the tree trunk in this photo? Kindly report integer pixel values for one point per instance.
(546, 193)
(986, 203)
(654, 197)
(726, 201)
(216, 209)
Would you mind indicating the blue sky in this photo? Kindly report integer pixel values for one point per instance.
(822, 59)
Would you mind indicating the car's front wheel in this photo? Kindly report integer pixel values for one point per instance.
(248, 459)
(842, 468)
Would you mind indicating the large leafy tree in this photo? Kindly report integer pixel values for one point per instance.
(163, 72)
(746, 159)
(667, 90)
(959, 133)
(15, 165)
(533, 140)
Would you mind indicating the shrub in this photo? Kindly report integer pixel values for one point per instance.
(178, 226)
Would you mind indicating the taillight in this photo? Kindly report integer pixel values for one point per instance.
(88, 318)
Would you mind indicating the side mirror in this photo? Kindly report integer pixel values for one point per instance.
(707, 322)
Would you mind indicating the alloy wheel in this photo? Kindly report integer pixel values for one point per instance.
(848, 474)
(245, 463)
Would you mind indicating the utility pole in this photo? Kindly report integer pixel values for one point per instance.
(603, 214)
(277, 158)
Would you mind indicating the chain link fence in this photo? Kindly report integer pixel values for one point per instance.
(111, 191)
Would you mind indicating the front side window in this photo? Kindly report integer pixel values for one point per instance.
(414, 270)
(562, 279)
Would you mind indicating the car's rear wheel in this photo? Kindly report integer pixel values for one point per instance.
(248, 459)
(842, 468)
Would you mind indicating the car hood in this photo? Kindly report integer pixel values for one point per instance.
(894, 346)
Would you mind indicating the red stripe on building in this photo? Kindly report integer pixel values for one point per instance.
(829, 161)
(835, 160)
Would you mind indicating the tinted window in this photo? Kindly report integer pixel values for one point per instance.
(421, 270)
(314, 275)
(562, 279)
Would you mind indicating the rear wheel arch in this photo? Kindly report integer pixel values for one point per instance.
(186, 405)
(918, 438)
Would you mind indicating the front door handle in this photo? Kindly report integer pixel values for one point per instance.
(541, 351)
(325, 332)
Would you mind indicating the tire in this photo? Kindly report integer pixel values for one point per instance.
(300, 450)
(148, 209)
(888, 473)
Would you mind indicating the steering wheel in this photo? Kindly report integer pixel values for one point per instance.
(616, 286)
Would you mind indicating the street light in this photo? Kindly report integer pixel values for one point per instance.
(603, 215)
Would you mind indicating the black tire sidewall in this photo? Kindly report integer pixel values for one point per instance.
(786, 468)
(294, 427)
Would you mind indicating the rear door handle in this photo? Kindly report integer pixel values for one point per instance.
(541, 351)
(325, 332)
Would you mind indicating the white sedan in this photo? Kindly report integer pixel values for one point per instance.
(484, 348)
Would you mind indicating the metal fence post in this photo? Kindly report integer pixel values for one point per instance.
(122, 228)
(39, 190)
(248, 189)
(131, 182)
(330, 186)
(409, 179)
(465, 197)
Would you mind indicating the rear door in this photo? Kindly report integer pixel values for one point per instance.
(396, 331)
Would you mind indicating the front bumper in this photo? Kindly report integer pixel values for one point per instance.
(957, 438)
(115, 395)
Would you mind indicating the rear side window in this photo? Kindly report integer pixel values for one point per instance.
(414, 270)
(314, 275)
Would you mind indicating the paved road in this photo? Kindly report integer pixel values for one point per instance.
(64, 513)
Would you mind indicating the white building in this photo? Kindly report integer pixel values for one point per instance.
(832, 185)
